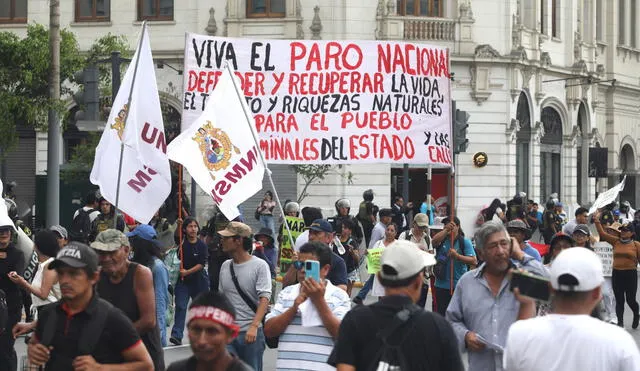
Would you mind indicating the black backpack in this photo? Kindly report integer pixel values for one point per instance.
(81, 226)
(390, 356)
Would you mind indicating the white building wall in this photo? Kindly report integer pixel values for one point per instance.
(488, 80)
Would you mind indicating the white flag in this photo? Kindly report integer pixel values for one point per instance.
(146, 178)
(607, 197)
(4, 212)
(219, 151)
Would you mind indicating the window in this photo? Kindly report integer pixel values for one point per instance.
(420, 8)
(543, 16)
(265, 8)
(621, 23)
(523, 144)
(599, 19)
(155, 10)
(13, 11)
(92, 10)
(555, 19)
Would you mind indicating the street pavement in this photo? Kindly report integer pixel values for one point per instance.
(176, 353)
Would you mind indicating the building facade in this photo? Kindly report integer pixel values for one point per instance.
(542, 80)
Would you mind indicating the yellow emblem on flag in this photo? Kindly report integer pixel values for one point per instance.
(215, 146)
(120, 121)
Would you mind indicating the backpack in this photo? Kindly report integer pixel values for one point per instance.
(426, 238)
(390, 357)
(81, 226)
(442, 258)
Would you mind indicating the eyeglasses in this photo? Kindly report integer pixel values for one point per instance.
(298, 265)
(5, 230)
(502, 243)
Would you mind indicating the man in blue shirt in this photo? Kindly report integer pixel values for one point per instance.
(462, 254)
(519, 230)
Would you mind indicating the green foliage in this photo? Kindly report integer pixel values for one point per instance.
(24, 76)
(100, 50)
(314, 174)
(79, 165)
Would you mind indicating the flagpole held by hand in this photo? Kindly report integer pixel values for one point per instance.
(126, 116)
(257, 143)
(180, 251)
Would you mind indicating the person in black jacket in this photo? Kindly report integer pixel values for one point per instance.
(10, 260)
(400, 212)
(343, 207)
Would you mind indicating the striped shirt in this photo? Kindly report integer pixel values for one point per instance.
(307, 348)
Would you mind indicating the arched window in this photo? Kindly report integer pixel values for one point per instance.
(582, 156)
(550, 153)
(628, 166)
(523, 144)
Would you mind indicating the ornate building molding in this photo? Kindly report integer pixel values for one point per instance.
(486, 51)
(512, 130)
(316, 24)
(538, 132)
(212, 27)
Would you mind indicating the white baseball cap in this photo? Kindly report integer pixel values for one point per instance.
(403, 259)
(576, 269)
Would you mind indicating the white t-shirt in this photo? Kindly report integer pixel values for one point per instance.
(54, 293)
(559, 342)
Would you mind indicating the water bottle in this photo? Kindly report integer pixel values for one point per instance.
(341, 249)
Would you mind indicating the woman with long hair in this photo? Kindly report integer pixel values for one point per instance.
(146, 251)
(624, 277)
(44, 287)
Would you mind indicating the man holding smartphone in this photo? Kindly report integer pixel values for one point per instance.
(483, 307)
(569, 338)
(307, 315)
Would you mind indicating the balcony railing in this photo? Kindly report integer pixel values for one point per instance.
(422, 28)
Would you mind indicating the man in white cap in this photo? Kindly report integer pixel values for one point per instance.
(395, 333)
(569, 338)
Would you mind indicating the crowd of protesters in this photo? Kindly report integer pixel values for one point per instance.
(111, 291)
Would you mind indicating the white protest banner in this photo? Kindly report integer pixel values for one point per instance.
(219, 151)
(607, 197)
(136, 121)
(605, 252)
(332, 102)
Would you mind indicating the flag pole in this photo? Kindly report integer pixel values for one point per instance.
(126, 117)
(452, 189)
(180, 251)
(255, 140)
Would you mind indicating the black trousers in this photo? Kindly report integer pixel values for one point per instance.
(8, 357)
(443, 297)
(625, 285)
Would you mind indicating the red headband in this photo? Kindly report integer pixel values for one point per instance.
(215, 315)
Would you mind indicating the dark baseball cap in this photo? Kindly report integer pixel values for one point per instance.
(582, 228)
(321, 225)
(76, 255)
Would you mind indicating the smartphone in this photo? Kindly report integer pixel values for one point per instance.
(530, 285)
(312, 269)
